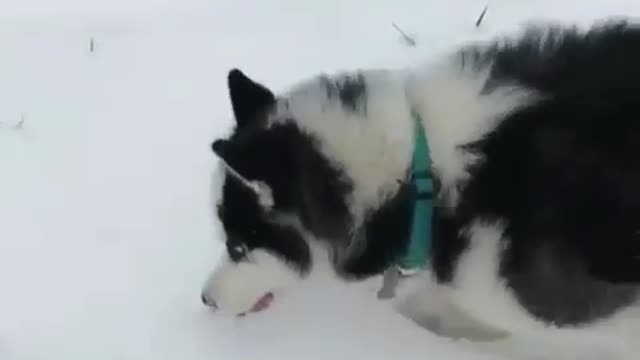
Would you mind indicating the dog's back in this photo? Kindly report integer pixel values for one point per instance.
(545, 225)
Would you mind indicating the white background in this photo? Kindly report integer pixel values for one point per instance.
(106, 232)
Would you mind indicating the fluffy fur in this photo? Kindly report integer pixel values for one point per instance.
(535, 146)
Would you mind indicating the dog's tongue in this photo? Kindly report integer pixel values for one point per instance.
(262, 303)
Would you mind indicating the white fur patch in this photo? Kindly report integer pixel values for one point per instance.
(236, 287)
(477, 288)
(455, 112)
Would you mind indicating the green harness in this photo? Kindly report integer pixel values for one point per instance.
(415, 258)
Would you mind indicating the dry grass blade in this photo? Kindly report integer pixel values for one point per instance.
(481, 17)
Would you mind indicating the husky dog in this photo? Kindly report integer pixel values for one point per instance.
(535, 151)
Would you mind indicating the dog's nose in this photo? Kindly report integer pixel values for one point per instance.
(208, 301)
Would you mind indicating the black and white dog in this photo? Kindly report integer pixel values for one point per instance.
(535, 151)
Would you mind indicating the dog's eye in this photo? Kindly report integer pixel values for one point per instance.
(238, 252)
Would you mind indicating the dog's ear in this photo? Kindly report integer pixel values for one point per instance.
(226, 151)
(223, 149)
(219, 146)
(247, 96)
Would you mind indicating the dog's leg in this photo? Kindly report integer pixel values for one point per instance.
(424, 302)
(421, 300)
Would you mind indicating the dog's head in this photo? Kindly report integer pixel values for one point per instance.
(283, 199)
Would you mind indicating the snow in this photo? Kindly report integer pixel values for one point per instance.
(106, 233)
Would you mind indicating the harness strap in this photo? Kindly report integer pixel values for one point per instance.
(420, 176)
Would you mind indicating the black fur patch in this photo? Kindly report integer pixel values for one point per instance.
(562, 174)
(349, 89)
(248, 98)
(302, 181)
(247, 226)
(387, 233)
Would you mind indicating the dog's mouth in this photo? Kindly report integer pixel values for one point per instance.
(262, 304)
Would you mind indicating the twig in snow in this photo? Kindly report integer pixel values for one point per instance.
(19, 124)
(92, 45)
(481, 17)
(407, 39)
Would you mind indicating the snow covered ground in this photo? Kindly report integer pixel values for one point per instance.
(107, 110)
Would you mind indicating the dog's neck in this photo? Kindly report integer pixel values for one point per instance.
(363, 123)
